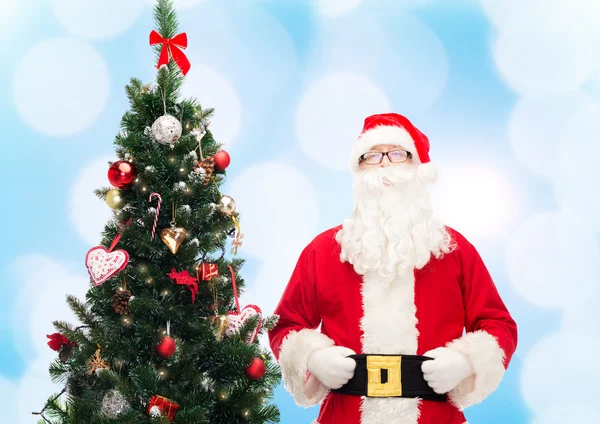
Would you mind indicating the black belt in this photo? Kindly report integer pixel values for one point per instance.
(389, 376)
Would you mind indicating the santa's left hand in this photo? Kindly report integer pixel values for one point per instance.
(447, 369)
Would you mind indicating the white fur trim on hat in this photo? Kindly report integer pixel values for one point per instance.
(293, 360)
(383, 134)
(487, 358)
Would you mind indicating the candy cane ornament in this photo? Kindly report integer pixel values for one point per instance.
(157, 212)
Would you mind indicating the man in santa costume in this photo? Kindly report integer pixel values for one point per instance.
(412, 328)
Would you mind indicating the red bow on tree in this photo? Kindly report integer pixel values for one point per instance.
(185, 279)
(171, 47)
(57, 341)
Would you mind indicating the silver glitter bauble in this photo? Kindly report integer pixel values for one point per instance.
(113, 404)
(166, 130)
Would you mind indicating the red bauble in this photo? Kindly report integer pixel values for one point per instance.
(256, 369)
(166, 348)
(121, 174)
(222, 160)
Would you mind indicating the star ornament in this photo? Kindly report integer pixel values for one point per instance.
(185, 279)
(97, 363)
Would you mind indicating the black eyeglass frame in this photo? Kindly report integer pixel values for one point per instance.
(409, 155)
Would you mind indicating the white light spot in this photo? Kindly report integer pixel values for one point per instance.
(543, 50)
(563, 347)
(89, 213)
(476, 201)
(536, 126)
(71, 92)
(42, 300)
(97, 19)
(336, 7)
(578, 174)
(553, 261)
(214, 91)
(329, 117)
(286, 215)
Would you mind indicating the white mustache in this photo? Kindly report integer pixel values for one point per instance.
(384, 177)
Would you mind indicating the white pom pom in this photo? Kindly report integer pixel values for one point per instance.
(155, 412)
(427, 173)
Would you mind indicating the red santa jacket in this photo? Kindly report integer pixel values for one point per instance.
(424, 310)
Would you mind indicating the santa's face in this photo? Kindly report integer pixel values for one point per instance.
(392, 229)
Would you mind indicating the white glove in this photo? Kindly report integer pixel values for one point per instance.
(446, 370)
(331, 366)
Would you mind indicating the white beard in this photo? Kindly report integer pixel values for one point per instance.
(392, 230)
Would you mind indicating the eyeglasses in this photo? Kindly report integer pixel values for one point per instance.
(395, 156)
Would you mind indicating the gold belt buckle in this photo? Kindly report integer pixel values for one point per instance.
(393, 386)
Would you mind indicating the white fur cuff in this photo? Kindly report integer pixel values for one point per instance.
(293, 359)
(487, 358)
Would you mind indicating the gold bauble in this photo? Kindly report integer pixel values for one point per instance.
(220, 324)
(114, 199)
(227, 205)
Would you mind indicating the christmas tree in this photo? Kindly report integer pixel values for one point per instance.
(162, 336)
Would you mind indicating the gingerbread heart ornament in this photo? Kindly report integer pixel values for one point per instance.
(237, 320)
(102, 264)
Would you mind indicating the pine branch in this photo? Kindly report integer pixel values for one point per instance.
(81, 311)
(51, 404)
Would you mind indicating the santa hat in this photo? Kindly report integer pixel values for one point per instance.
(392, 128)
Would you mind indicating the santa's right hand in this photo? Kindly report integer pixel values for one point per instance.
(331, 366)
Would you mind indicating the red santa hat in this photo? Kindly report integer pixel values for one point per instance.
(392, 128)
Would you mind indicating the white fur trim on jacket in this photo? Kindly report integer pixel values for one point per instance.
(487, 358)
(383, 134)
(293, 359)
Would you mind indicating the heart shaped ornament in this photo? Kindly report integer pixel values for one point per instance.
(102, 264)
(236, 321)
(173, 237)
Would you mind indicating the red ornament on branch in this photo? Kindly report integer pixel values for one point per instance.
(121, 174)
(222, 160)
(256, 369)
(166, 348)
(172, 47)
(162, 407)
(209, 271)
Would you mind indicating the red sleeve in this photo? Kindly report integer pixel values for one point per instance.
(295, 338)
(491, 333)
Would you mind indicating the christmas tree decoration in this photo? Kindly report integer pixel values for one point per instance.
(121, 300)
(227, 205)
(237, 319)
(256, 370)
(222, 160)
(114, 404)
(197, 360)
(237, 241)
(103, 264)
(159, 197)
(208, 165)
(220, 324)
(171, 48)
(162, 407)
(96, 363)
(167, 346)
(173, 237)
(166, 130)
(121, 174)
(208, 271)
(114, 199)
(184, 278)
